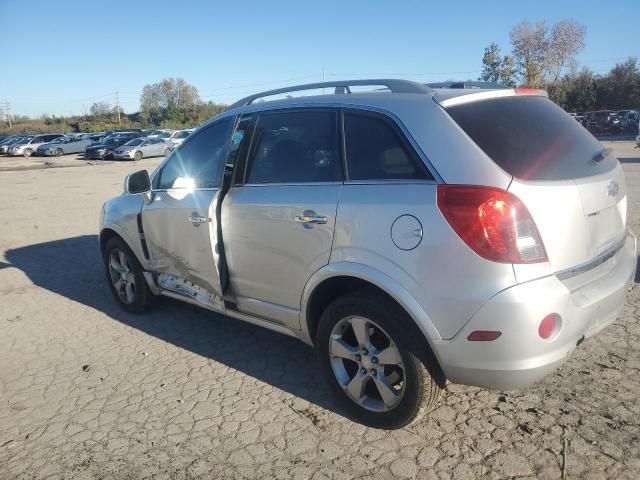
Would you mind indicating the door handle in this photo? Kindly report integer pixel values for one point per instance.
(311, 219)
(198, 219)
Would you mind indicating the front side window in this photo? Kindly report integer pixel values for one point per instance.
(198, 163)
(376, 150)
(295, 147)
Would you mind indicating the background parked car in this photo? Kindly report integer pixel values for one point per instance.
(180, 136)
(4, 144)
(141, 147)
(28, 145)
(63, 146)
(630, 121)
(105, 148)
(603, 121)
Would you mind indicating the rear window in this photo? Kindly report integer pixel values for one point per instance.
(531, 138)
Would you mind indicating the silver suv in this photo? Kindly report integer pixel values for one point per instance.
(411, 235)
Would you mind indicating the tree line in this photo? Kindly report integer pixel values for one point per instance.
(170, 103)
(544, 56)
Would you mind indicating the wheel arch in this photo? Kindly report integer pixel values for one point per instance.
(339, 278)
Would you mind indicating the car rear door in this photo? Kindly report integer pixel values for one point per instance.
(179, 222)
(278, 217)
(574, 189)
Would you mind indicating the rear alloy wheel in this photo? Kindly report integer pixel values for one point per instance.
(27, 152)
(137, 156)
(58, 152)
(366, 353)
(126, 280)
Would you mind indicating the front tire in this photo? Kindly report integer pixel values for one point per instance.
(125, 277)
(27, 153)
(137, 156)
(375, 366)
(167, 151)
(58, 152)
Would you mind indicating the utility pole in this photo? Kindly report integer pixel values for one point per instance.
(7, 111)
(118, 106)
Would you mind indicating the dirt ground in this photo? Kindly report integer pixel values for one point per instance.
(88, 391)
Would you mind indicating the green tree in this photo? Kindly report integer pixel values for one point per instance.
(491, 64)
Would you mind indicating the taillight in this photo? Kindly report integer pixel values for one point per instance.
(494, 223)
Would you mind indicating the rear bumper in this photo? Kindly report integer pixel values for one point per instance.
(519, 356)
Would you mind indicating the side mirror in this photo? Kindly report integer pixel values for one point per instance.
(138, 182)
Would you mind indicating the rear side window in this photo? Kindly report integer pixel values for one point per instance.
(532, 138)
(376, 150)
(296, 147)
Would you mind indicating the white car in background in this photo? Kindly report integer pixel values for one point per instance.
(180, 136)
(138, 148)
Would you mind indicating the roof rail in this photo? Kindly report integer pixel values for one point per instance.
(341, 87)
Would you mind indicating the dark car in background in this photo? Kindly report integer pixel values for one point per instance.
(104, 149)
(602, 121)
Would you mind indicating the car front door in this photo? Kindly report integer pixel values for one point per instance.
(279, 215)
(179, 222)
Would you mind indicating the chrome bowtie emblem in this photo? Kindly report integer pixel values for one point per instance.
(613, 189)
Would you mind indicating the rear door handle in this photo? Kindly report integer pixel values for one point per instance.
(198, 219)
(311, 219)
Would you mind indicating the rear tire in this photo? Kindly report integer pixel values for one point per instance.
(122, 269)
(395, 390)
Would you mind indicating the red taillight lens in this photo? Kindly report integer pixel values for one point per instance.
(492, 222)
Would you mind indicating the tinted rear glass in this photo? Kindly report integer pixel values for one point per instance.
(531, 138)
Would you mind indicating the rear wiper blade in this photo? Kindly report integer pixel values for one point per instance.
(601, 155)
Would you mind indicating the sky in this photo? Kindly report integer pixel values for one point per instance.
(58, 57)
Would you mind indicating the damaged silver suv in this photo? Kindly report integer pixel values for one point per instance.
(412, 235)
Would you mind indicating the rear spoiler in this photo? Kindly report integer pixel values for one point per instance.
(465, 96)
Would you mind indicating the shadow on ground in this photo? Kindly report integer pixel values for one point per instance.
(72, 268)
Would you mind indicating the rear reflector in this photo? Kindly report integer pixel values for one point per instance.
(494, 223)
(483, 336)
(549, 326)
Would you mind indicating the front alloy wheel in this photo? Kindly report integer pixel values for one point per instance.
(126, 277)
(122, 278)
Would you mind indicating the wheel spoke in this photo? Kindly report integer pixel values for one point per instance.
(387, 392)
(128, 289)
(118, 284)
(389, 356)
(339, 348)
(123, 260)
(115, 264)
(361, 330)
(357, 384)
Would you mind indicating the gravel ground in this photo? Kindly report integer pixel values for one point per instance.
(87, 391)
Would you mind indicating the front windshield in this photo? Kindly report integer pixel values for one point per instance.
(165, 135)
(134, 142)
(26, 139)
(182, 134)
(61, 140)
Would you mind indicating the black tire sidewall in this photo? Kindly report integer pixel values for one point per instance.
(383, 314)
(143, 296)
